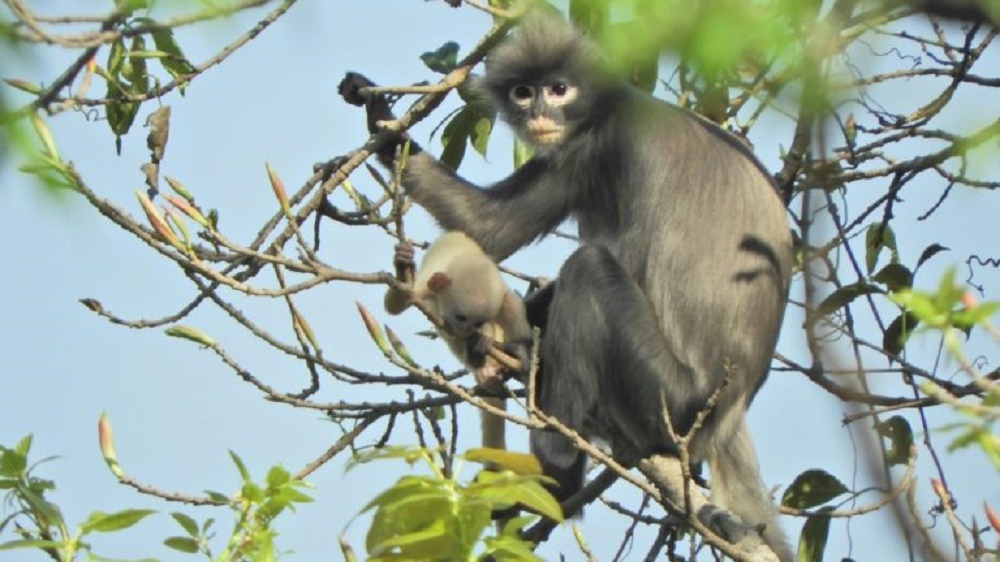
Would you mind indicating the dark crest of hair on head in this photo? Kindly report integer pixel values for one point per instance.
(541, 45)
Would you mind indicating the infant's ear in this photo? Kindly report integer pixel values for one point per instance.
(438, 282)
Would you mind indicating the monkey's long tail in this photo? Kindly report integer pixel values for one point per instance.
(494, 430)
(736, 485)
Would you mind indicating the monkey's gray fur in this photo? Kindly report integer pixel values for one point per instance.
(682, 276)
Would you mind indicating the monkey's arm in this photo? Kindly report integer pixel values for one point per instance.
(506, 217)
(501, 219)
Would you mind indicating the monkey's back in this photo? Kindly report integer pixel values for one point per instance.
(701, 229)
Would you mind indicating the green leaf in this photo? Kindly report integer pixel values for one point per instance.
(36, 544)
(480, 134)
(127, 7)
(277, 477)
(107, 522)
(898, 332)
(189, 524)
(134, 70)
(897, 430)
(920, 305)
(979, 314)
(454, 137)
(877, 237)
(844, 296)
(443, 59)
(14, 462)
(504, 491)
(522, 152)
(115, 58)
(589, 15)
(251, 492)
(812, 541)
(242, 468)
(928, 253)
(812, 488)
(509, 549)
(182, 544)
(431, 542)
(894, 276)
(512, 527)
(410, 490)
(409, 454)
(189, 333)
(38, 504)
(519, 463)
(645, 72)
(23, 447)
(176, 64)
(413, 504)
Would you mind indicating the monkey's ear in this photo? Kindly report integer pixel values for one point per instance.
(438, 282)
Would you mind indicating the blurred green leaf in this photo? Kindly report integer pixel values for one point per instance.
(898, 332)
(242, 468)
(522, 152)
(100, 522)
(897, 430)
(812, 541)
(894, 276)
(409, 454)
(442, 60)
(189, 525)
(844, 296)
(878, 237)
(519, 463)
(182, 544)
(812, 488)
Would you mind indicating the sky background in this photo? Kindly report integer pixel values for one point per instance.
(176, 410)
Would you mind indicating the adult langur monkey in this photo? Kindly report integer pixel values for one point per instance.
(462, 286)
(681, 279)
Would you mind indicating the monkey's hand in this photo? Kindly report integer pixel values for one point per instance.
(377, 108)
(512, 358)
(403, 261)
(350, 88)
(522, 353)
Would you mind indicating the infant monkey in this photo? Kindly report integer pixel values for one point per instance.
(462, 286)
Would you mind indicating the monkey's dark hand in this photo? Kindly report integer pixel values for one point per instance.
(377, 108)
(350, 88)
(537, 303)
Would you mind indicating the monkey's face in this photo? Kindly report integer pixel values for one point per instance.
(468, 305)
(538, 110)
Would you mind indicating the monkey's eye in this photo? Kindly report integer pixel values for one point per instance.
(559, 93)
(521, 93)
(461, 318)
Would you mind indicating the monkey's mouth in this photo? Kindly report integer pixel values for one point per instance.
(546, 136)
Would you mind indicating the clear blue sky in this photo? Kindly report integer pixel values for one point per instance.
(176, 410)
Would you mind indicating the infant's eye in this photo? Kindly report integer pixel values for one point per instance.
(522, 92)
(461, 318)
